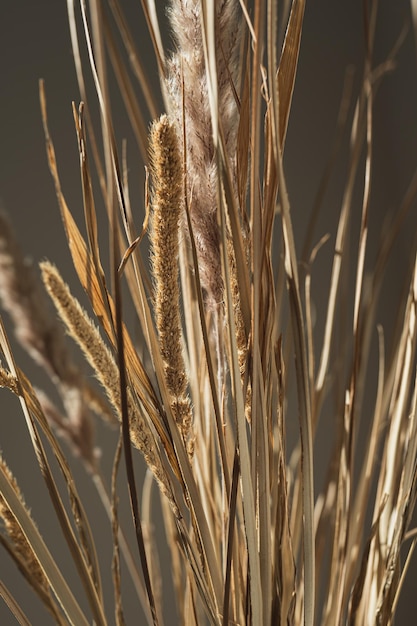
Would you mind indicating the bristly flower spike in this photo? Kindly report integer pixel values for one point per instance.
(167, 186)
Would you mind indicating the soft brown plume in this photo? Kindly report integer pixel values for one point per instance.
(189, 106)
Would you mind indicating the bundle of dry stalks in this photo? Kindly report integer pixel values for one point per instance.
(224, 305)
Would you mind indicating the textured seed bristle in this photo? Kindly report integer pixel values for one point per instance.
(21, 548)
(241, 341)
(8, 380)
(189, 105)
(239, 323)
(166, 176)
(87, 336)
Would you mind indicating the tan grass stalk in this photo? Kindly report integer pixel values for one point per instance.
(22, 550)
(86, 334)
(48, 565)
(82, 544)
(166, 178)
(13, 605)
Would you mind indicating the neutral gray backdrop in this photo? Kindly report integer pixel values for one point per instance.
(34, 43)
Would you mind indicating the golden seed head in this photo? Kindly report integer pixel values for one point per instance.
(166, 175)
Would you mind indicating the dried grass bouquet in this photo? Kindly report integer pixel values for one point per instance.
(201, 331)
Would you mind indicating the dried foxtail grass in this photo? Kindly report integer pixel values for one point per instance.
(15, 541)
(229, 357)
(84, 332)
(40, 335)
(167, 176)
(188, 87)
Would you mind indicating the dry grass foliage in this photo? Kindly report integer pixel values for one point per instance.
(225, 310)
